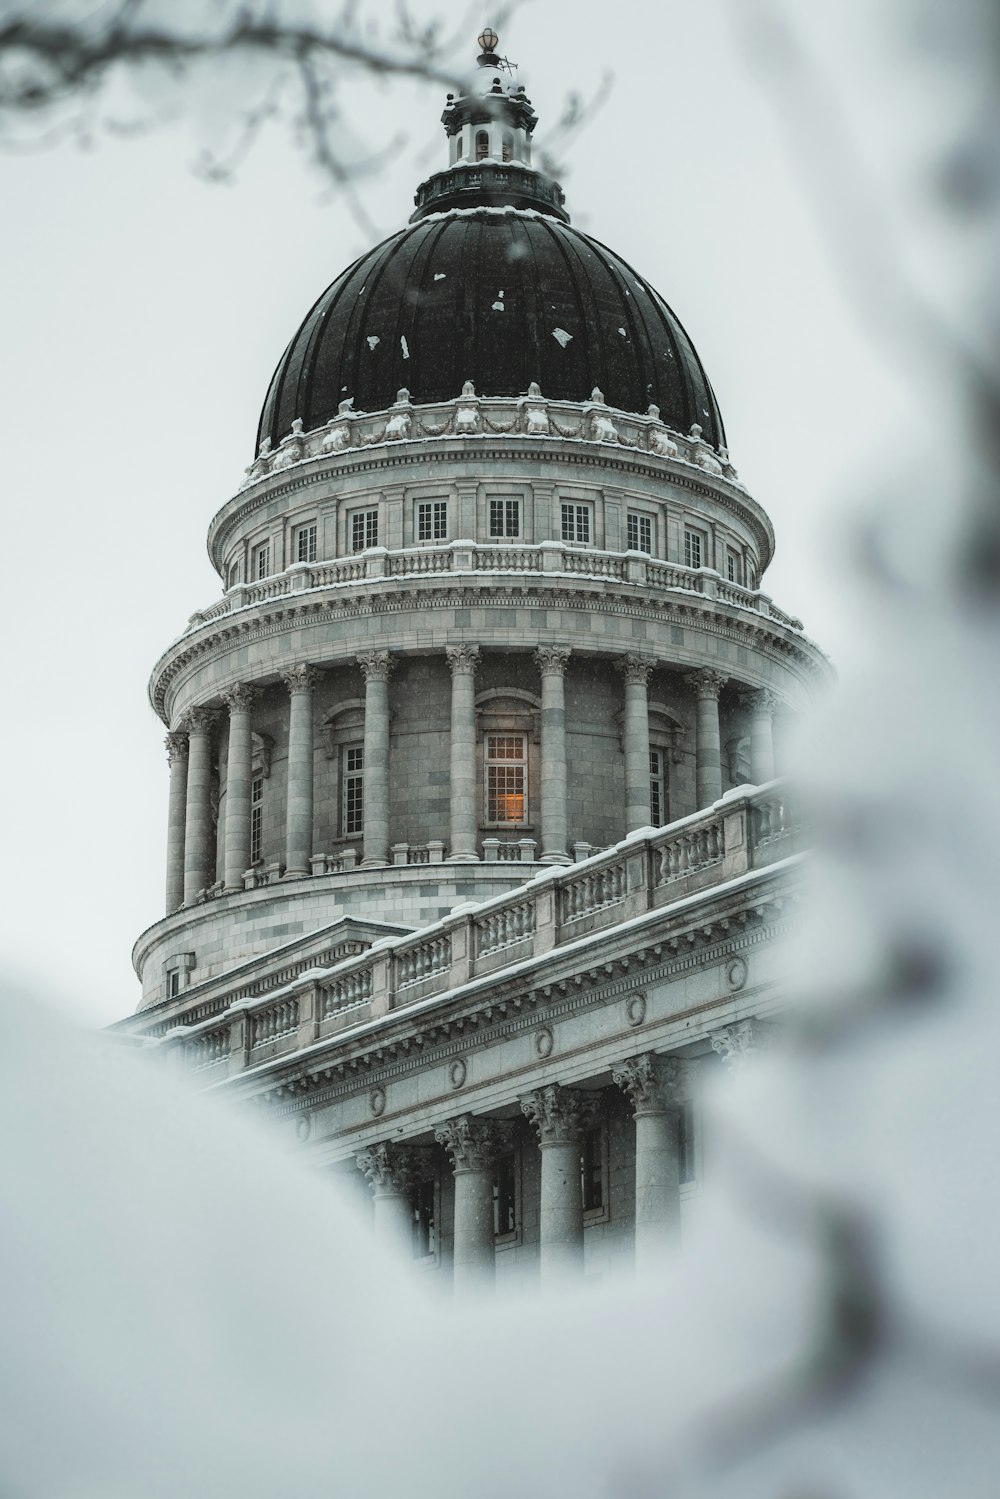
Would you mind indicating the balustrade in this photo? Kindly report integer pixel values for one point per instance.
(208, 1049)
(593, 891)
(695, 848)
(503, 927)
(273, 1022)
(352, 989)
(422, 961)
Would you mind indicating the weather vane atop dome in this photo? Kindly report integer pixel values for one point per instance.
(488, 42)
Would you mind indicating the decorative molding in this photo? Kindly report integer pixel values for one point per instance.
(706, 682)
(457, 1073)
(760, 701)
(462, 659)
(734, 1043)
(240, 698)
(200, 721)
(560, 1115)
(391, 1168)
(736, 973)
(544, 1042)
(552, 659)
(635, 1009)
(654, 1084)
(375, 665)
(301, 678)
(637, 669)
(176, 744)
(473, 1144)
(376, 1102)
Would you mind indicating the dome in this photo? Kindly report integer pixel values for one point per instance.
(501, 296)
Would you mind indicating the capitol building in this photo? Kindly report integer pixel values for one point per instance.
(478, 852)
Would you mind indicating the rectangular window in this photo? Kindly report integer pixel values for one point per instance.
(686, 1142)
(692, 548)
(657, 797)
(262, 560)
(505, 1196)
(424, 1225)
(256, 818)
(592, 1170)
(364, 530)
(174, 987)
(354, 789)
(576, 523)
(505, 516)
(506, 779)
(233, 575)
(305, 543)
(734, 571)
(432, 520)
(639, 529)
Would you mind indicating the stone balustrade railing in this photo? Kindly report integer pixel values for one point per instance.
(549, 557)
(748, 829)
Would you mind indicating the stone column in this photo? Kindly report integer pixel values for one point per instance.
(239, 777)
(199, 854)
(636, 742)
(462, 660)
(390, 1172)
(761, 706)
(177, 757)
(560, 1116)
(376, 666)
(552, 665)
(473, 1146)
(301, 682)
(708, 685)
(653, 1086)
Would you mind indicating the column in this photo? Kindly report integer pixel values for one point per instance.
(653, 1086)
(199, 854)
(708, 685)
(762, 707)
(463, 659)
(560, 1116)
(552, 665)
(473, 1146)
(636, 743)
(390, 1172)
(239, 777)
(177, 758)
(376, 666)
(301, 682)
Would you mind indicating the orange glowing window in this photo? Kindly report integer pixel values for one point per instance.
(506, 779)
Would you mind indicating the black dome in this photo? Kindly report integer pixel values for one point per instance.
(490, 296)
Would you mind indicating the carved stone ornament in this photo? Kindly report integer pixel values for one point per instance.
(457, 1073)
(552, 660)
(635, 1009)
(240, 698)
(389, 1168)
(707, 683)
(653, 1084)
(301, 678)
(463, 659)
(736, 973)
(473, 1144)
(376, 665)
(544, 1042)
(560, 1115)
(177, 746)
(734, 1043)
(637, 669)
(200, 720)
(376, 1101)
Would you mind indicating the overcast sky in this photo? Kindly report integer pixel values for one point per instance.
(143, 313)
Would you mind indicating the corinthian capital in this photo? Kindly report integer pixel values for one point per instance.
(376, 665)
(734, 1043)
(552, 660)
(391, 1167)
(463, 659)
(637, 669)
(560, 1115)
(474, 1144)
(241, 698)
(707, 683)
(177, 746)
(200, 720)
(301, 678)
(653, 1084)
(762, 703)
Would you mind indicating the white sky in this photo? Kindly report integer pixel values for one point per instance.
(142, 316)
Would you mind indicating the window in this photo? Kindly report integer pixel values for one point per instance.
(482, 145)
(734, 571)
(639, 532)
(508, 145)
(353, 819)
(432, 520)
(261, 560)
(506, 779)
(505, 1196)
(461, 148)
(305, 543)
(576, 523)
(657, 788)
(364, 530)
(592, 1170)
(693, 548)
(174, 984)
(505, 517)
(256, 818)
(686, 1142)
(424, 1224)
(233, 575)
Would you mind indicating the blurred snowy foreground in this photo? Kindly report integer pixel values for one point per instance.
(187, 1311)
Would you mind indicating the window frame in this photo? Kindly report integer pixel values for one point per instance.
(571, 514)
(494, 762)
(658, 783)
(427, 1187)
(366, 517)
(257, 819)
(437, 520)
(598, 1212)
(502, 1239)
(308, 532)
(511, 507)
(260, 561)
(352, 818)
(694, 534)
(641, 519)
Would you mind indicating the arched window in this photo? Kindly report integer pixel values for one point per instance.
(482, 144)
(460, 152)
(508, 145)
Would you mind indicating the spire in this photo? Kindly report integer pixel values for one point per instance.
(489, 129)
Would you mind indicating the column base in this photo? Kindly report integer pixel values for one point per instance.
(374, 864)
(233, 889)
(296, 874)
(463, 859)
(556, 858)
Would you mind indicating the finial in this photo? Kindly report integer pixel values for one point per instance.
(488, 42)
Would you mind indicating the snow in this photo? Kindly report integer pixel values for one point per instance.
(440, 276)
(404, 346)
(561, 336)
(499, 307)
(373, 341)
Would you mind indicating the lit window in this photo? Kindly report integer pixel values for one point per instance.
(508, 145)
(233, 575)
(505, 1196)
(482, 145)
(506, 779)
(692, 548)
(576, 523)
(424, 1224)
(256, 818)
(505, 517)
(657, 789)
(733, 570)
(354, 789)
(639, 529)
(592, 1170)
(364, 530)
(261, 560)
(432, 520)
(305, 543)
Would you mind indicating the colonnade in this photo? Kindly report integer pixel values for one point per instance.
(559, 1116)
(191, 854)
